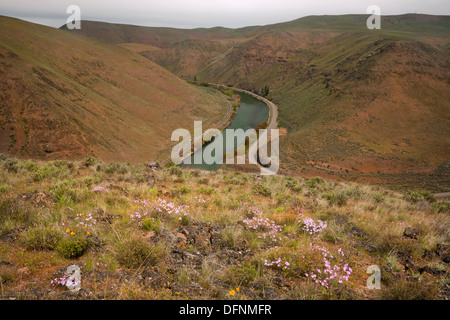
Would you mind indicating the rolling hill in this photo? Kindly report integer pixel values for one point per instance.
(361, 104)
(65, 96)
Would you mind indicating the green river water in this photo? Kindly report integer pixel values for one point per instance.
(251, 113)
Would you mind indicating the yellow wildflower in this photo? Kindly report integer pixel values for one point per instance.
(232, 292)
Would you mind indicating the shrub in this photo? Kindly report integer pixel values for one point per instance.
(135, 253)
(262, 190)
(336, 198)
(137, 177)
(378, 197)
(231, 236)
(353, 193)
(292, 184)
(183, 190)
(4, 189)
(202, 180)
(283, 199)
(61, 164)
(418, 196)
(72, 248)
(206, 190)
(40, 175)
(185, 221)
(41, 238)
(11, 165)
(64, 191)
(410, 290)
(10, 210)
(116, 167)
(85, 182)
(176, 171)
(89, 161)
(244, 273)
(441, 207)
(48, 171)
(195, 173)
(296, 202)
(152, 225)
(315, 182)
(5, 277)
(234, 179)
(30, 166)
(228, 92)
(153, 191)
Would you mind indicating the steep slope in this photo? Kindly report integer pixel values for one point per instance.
(415, 23)
(359, 103)
(65, 96)
(186, 52)
(373, 106)
(181, 51)
(368, 106)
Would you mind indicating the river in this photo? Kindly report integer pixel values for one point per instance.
(251, 113)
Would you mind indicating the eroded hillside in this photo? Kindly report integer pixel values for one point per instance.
(357, 103)
(65, 96)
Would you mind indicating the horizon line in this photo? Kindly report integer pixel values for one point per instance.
(223, 27)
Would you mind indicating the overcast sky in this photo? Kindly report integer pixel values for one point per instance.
(206, 13)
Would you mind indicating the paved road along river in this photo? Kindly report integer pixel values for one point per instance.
(253, 111)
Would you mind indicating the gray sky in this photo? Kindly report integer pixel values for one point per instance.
(207, 13)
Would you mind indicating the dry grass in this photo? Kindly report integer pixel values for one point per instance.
(212, 250)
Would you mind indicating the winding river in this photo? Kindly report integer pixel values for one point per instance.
(251, 113)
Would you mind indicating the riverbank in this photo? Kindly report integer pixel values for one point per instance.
(252, 113)
(229, 117)
(272, 123)
(273, 108)
(271, 120)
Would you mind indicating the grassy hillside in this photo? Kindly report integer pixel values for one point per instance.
(415, 23)
(64, 97)
(365, 106)
(138, 233)
(357, 104)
